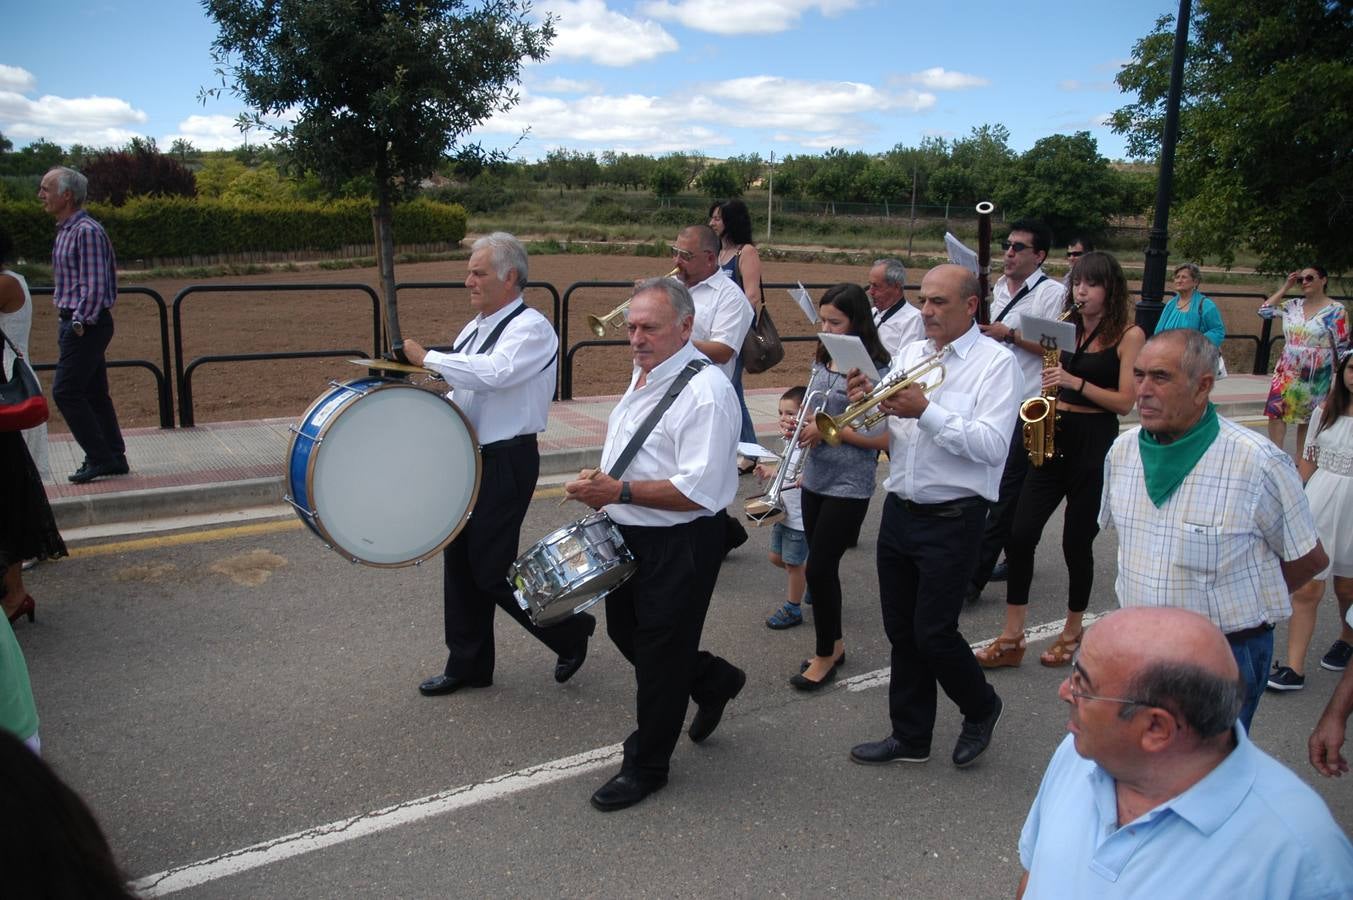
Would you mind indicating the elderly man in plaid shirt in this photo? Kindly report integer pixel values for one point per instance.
(84, 271)
(1210, 516)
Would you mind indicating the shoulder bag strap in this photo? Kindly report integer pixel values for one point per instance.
(1020, 296)
(636, 442)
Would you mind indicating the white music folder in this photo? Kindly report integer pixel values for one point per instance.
(1062, 334)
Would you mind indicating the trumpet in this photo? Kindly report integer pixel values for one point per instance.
(769, 507)
(857, 415)
(1039, 414)
(616, 317)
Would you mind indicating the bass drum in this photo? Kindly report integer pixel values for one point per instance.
(385, 473)
(571, 568)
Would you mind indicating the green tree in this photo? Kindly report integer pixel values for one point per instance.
(34, 159)
(720, 182)
(1063, 181)
(668, 180)
(380, 89)
(1264, 123)
(976, 168)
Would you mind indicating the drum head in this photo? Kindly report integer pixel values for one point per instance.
(395, 476)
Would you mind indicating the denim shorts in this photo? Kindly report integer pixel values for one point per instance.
(789, 544)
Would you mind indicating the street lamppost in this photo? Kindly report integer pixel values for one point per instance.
(1153, 272)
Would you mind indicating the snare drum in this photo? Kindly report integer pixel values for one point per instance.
(571, 568)
(384, 472)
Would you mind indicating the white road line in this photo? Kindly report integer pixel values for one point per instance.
(344, 830)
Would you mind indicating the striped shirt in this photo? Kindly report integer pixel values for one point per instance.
(84, 269)
(1216, 545)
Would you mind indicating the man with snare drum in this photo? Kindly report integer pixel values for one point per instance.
(668, 503)
(502, 372)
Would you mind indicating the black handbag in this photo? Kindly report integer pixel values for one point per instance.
(21, 402)
(761, 349)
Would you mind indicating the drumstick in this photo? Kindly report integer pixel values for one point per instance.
(594, 474)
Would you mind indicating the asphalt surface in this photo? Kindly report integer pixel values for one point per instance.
(229, 687)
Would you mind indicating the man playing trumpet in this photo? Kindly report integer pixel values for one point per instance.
(946, 449)
(669, 505)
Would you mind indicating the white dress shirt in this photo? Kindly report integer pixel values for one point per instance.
(902, 326)
(722, 314)
(1217, 545)
(1045, 302)
(693, 445)
(507, 391)
(957, 447)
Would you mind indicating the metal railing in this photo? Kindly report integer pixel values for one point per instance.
(163, 391)
(184, 373)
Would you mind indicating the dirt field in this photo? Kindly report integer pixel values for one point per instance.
(262, 321)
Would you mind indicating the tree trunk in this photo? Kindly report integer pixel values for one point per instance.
(382, 224)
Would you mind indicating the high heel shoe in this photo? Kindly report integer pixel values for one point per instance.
(1002, 652)
(26, 607)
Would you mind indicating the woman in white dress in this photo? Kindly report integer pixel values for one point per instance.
(1326, 467)
(16, 318)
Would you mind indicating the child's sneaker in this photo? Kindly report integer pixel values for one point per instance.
(786, 616)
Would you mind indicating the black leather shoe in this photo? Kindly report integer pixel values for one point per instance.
(841, 661)
(449, 684)
(625, 789)
(568, 666)
(91, 470)
(802, 682)
(707, 717)
(888, 750)
(1000, 572)
(975, 737)
(973, 594)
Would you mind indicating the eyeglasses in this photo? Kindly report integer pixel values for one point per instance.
(1074, 689)
(1017, 246)
(1307, 279)
(686, 255)
(1074, 254)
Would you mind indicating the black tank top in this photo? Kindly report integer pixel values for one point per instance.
(1098, 368)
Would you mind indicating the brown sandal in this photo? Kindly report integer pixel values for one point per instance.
(1001, 652)
(1061, 652)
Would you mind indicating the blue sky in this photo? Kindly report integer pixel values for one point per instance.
(719, 76)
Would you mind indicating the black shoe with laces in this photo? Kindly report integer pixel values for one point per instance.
(1284, 678)
(1337, 658)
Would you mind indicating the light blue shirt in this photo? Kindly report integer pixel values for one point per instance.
(1203, 316)
(1251, 828)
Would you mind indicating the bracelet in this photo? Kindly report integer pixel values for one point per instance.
(1081, 389)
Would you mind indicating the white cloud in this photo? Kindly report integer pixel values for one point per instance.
(586, 29)
(566, 86)
(813, 106)
(207, 133)
(746, 17)
(13, 78)
(92, 121)
(940, 79)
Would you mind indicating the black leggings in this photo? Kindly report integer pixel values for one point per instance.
(1077, 473)
(829, 523)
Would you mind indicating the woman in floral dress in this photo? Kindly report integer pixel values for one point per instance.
(1315, 334)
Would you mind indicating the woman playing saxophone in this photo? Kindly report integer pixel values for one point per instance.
(1093, 385)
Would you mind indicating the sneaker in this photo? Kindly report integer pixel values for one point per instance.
(787, 616)
(1000, 571)
(1338, 657)
(1284, 679)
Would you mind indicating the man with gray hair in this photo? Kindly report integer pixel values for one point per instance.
(1157, 792)
(501, 371)
(898, 322)
(1210, 516)
(84, 275)
(662, 482)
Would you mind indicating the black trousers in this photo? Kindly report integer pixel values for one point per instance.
(925, 559)
(80, 389)
(1001, 516)
(829, 523)
(655, 619)
(1077, 473)
(476, 564)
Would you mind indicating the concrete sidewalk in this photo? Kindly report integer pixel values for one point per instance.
(229, 466)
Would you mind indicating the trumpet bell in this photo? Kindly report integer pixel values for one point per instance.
(598, 327)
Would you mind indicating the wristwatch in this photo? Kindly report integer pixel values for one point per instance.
(625, 492)
(78, 327)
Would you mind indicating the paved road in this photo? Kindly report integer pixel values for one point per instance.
(226, 689)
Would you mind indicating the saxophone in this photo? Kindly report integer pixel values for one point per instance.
(1039, 414)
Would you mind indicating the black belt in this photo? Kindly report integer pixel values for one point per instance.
(518, 441)
(1245, 634)
(948, 507)
(67, 314)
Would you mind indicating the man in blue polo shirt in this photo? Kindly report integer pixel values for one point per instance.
(1158, 792)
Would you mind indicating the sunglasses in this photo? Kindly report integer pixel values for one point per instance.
(686, 255)
(1307, 279)
(1074, 254)
(1017, 246)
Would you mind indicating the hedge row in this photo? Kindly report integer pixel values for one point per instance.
(170, 227)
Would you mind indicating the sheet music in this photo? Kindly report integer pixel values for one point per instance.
(960, 255)
(805, 302)
(1063, 334)
(756, 451)
(848, 352)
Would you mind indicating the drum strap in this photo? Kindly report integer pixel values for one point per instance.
(678, 385)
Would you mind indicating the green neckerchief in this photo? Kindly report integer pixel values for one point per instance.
(1167, 465)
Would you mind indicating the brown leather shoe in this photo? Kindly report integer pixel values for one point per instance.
(1001, 652)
